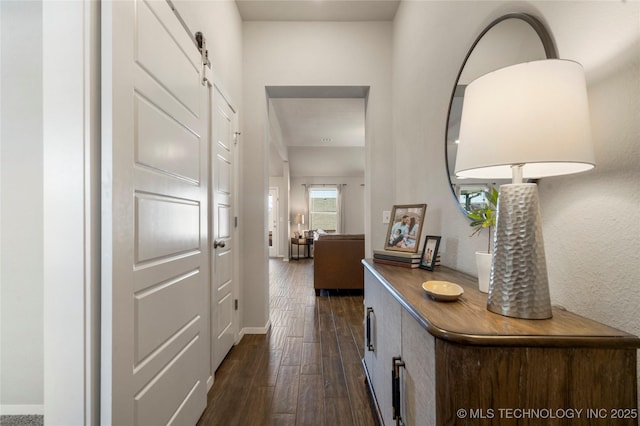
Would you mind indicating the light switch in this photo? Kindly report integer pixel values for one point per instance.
(386, 217)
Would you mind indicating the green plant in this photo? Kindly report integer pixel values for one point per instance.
(485, 217)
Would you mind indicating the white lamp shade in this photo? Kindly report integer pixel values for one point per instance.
(534, 113)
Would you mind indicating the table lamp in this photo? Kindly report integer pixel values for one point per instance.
(525, 121)
(299, 220)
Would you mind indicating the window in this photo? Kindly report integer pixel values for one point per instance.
(323, 209)
(473, 196)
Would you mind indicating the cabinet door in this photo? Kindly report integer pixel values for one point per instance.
(371, 312)
(386, 339)
(418, 378)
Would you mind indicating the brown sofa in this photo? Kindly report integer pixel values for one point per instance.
(337, 262)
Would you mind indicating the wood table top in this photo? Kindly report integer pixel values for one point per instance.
(467, 320)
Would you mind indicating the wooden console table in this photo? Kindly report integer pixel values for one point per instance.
(457, 363)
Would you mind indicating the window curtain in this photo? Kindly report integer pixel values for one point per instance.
(340, 208)
(307, 203)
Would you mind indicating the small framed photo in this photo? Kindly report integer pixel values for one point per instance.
(430, 252)
(405, 227)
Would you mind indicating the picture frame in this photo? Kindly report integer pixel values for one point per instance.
(405, 227)
(430, 252)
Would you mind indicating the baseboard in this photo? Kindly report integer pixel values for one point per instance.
(13, 410)
(256, 330)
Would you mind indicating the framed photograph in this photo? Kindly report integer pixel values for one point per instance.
(405, 227)
(430, 252)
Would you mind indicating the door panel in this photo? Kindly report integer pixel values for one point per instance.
(164, 144)
(165, 226)
(224, 264)
(225, 310)
(167, 56)
(152, 325)
(224, 175)
(223, 221)
(385, 333)
(155, 248)
(160, 401)
(223, 288)
(419, 375)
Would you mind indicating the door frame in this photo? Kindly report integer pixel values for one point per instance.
(71, 160)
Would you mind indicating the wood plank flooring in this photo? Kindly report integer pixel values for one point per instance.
(306, 370)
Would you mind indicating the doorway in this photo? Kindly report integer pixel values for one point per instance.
(318, 134)
(274, 230)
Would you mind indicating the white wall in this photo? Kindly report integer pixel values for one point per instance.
(352, 197)
(21, 188)
(590, 220)
(308, 54)
(431, 40)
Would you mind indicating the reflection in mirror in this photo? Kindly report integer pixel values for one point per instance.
(508, 40)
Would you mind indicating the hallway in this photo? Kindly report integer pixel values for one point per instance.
(306, 370)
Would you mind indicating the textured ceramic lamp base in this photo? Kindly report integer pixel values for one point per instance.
(519, 284)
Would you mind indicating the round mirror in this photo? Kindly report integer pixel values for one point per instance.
(509, 40)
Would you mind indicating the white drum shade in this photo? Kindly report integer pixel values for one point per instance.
(534, 114)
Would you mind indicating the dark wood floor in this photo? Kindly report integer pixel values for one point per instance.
(306, 370)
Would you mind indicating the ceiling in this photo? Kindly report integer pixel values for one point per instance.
(320, 122)
(320, 130)
(323, 136)
(317, 10)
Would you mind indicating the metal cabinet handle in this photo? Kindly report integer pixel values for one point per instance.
(395, 388)
(369, 343)
(217, 244)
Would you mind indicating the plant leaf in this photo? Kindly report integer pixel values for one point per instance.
(485, 217)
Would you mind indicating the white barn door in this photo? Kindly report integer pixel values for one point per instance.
(155, 334)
